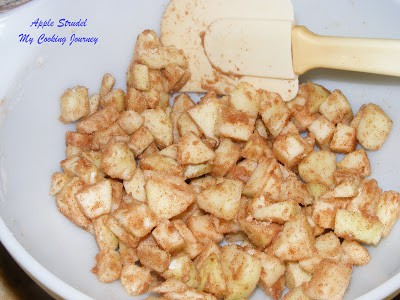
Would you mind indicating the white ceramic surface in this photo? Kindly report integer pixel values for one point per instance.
(49, 247)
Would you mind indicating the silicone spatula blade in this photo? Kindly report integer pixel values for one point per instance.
(251, 47)
(184, 23)
(272, 48)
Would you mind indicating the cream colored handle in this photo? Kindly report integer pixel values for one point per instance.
(310, 51)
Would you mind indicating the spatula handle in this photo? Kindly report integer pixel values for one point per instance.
(310, 51)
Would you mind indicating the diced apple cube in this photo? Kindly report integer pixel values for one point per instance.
(302, 116)
(123, 235)
(160, 163)
(140, 76)
(79, 166)
(205, 115)
(243, 170)
(118, 161)
(295, 275)
(294, 189)
(356, 162)
(272, 274)
(260, 234)
(140, 140)
(374, 127)
(317, 189)
(191, 150)
(267, 173)
(158, 81)
(353, 226)
(68, 205)
(105, 238)
(181, 104)
(170, 151)
(160, 126)
(100, 120)
(354, 254)
(274, 112)
(161, 57)
(108, 266)
(114, 133)
(222, 200)
(176, 76)
(234, 124)
(137, 219)
(336, 108)
(316, 95)
(81, 140)
(192, 245)
(193, 171)
(367, 199)
(134, 100)
(212, 279)
(168, 196)
(135, 280)
(344, 139)
(226, 156)
(168, 237)
(58, 181)
(152, 256)
(135, 186)
(130, 121)
(324, 213)
(107, 83)
(290, 149)
(186, 124)
(241, 270)
(296, 241)
(74, 104)
(323, 131)
(95, 200)
(388, 210)
(318, 167)
(203, 228)
(183, 269)
(256, 148)
(278, 212)
(329, 281)
(115, 98)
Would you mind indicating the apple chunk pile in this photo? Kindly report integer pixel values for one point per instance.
(209, 200)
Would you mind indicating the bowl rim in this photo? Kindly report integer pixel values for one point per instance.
(46, 279)
(52, 283)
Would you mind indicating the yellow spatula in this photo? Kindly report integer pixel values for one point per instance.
(230, 41)
(276, 49)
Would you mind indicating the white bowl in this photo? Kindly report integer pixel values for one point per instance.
(52, 250)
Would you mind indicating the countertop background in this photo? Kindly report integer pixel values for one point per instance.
(9, 4)
(14, 283)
